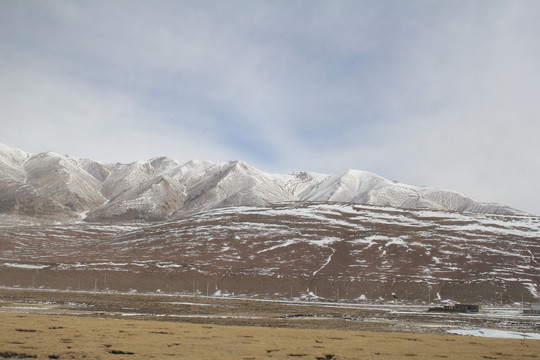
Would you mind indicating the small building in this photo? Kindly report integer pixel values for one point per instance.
(464, 308)
(461, 308)
(535, 310)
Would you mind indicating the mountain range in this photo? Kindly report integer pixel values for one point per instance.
(66, 188)
(228, 228)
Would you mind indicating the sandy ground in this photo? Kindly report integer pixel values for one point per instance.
(53, 325)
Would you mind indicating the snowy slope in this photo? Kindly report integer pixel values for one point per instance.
(61, 187)
(63, 179)
(11, 161)
(235, 183)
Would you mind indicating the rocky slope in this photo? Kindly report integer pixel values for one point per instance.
(64, 188)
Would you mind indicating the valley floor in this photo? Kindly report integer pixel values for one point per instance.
(48, 324)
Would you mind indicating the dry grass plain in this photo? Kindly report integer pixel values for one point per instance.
(71, 337)
(51, 325)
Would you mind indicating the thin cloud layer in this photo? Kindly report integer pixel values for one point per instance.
(430, 93)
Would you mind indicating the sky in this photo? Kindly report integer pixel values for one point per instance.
(434, 93)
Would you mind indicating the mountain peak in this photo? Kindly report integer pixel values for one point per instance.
(12, 156)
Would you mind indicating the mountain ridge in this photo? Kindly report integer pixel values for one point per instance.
(66, 188)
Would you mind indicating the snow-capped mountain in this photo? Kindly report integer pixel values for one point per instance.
(62, 187)
(250, 232)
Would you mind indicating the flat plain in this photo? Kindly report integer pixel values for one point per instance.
(83, 325)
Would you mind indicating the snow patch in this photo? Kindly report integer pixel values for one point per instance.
(492, 333)
(326, 263)
(25, 266)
